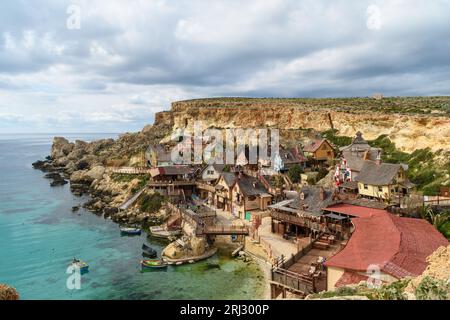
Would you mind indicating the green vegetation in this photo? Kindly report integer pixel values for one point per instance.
(388, 105)
(151, 203)
(294, 173)
(428, 289)
(322, 173)
(445, 229)
(424, 170)
(391, 291)
(440, 220)
(125, 178)
(335, 139)
(432, 289)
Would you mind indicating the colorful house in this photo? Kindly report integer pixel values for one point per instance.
(352, 159)
(383, 180)
(319, 151)
(248, 193)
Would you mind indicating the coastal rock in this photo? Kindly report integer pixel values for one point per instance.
(82, 165)
(61, 147)
(8, 293)
(61, 162)
(96, 173)
(59, 181)
(52, 175)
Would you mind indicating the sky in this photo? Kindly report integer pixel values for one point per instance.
(108, 66)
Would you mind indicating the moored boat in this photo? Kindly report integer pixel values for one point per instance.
(130, 231)
(148, 251)
(153, 264)
(82, 265)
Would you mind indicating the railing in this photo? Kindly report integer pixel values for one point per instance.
(131, 170)
(224, 230)
(171, 183)
(293, 281)
(205, 186)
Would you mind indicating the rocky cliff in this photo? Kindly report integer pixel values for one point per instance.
(413, 123)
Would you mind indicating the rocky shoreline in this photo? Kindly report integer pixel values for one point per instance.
(83, 166)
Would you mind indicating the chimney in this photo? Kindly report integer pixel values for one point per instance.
(322, 193)
(378, 160)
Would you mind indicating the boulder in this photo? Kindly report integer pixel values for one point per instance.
(96, 173)
(61, 147)
(58, 182)
(61, 162)
(8, 293)
(198, 246)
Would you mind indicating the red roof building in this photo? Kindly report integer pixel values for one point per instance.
(397, 246)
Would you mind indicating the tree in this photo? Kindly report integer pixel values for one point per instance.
(294, 173)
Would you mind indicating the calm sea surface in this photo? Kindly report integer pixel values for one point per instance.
(39, 235)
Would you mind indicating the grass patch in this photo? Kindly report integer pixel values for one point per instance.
(151, 202)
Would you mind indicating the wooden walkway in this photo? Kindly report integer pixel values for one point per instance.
(223, 230)
(131, 200)
(131, 170)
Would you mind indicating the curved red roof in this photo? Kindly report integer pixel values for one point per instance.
(399, 246)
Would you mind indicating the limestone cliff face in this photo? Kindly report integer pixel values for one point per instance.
(408, 131)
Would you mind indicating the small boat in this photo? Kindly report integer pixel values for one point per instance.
(148, 251)
(153, 264)
(149, 255)
(130, 231)
(82, 265)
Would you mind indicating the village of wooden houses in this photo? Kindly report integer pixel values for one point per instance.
(325, 218)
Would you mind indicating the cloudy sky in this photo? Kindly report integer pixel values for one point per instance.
(108, 66)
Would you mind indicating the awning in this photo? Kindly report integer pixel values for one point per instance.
(335, 216)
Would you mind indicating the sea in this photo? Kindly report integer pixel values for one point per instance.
(40, 235)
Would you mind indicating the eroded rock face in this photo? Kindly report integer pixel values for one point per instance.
(61, 147)
(8, 293)
(405, 130)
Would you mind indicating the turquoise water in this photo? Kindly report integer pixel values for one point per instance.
(39, 235)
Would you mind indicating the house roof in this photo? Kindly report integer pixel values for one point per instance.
(312, 202)
(355, 210)
(312, 146)
(162, 153)
(355, 160)
(171, 171)
(350, 278)
(229, 178)
(378, 174)
(291, 156)
(250, 186)
(398, 246)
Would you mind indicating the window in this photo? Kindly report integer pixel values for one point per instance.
(210, 172)
(380, 189)
(366, 186)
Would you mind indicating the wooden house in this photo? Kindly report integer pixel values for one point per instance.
(248, 193)
(383, 180)
(319, 151)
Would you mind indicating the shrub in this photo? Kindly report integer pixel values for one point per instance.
(432, 289)
(151, 203)
(392, 291)
(322, 173)
(294, 173)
